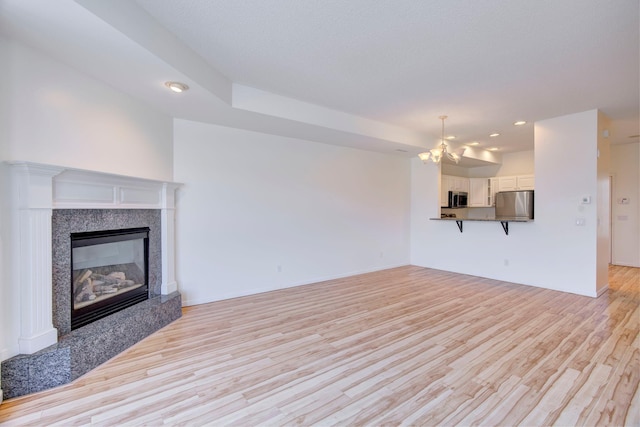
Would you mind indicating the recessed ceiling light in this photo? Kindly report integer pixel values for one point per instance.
(493, 149)
(520, 123)
(493, 135)
(177, 87)
(474, 143)
(450, 137)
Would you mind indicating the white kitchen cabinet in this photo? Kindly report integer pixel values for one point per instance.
(512, 183)
(479, 192)
(451, 183)
(447, 182)
(507, 183)
(460, 183)
(493, 189)
(444, 190)
(525, 182)
(482, 192)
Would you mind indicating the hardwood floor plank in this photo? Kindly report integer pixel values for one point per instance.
(487, 406)
(404, 346)
(621, 386)
(552, 400)
(633, 413)
(577, 409)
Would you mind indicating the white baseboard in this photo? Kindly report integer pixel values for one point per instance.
(603, 289)
(221, 297)
(624, 265)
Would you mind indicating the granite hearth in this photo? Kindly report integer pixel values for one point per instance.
(85, 348)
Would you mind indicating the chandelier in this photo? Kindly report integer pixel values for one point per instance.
(437, 154)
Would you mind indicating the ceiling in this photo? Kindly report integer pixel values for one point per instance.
(372, 74)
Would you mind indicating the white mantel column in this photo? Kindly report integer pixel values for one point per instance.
(32, 187)
(168, 224)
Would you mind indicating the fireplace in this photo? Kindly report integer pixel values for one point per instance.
(57, 214)
(109, 272)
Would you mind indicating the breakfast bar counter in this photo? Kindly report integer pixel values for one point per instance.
(504, 221)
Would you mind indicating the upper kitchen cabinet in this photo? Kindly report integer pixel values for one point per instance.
(482, 192)
(444, 190)
(479, 192)
(459, 183)
(452, 183)
(525, 182)
(512, 183)
(493, 189)
(507, 183)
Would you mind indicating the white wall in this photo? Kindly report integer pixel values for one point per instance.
(62, 117)
(602, 200)
(551, 252)
(455, 170)
(5, 303)
(625, 170)
(261, 212)
(50, 113)
(519, 163)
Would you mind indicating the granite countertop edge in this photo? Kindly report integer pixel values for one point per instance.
(506, 219)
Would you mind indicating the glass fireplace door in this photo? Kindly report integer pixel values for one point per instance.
(109, 272)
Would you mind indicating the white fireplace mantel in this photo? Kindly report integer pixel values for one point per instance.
(37, 189)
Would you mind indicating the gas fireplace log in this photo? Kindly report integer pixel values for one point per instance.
(80, 278)
(105, 279)
(88, 297)
(117, 275)
(125, 284)
(103, 288)
(85, 291)
(80, 283)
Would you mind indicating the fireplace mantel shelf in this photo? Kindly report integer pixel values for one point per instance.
(84, 189)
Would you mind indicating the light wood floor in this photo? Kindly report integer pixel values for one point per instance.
(406, 346)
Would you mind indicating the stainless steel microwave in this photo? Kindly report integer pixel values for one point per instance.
(458, 199)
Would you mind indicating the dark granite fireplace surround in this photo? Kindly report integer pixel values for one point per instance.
(83, 349)
(67, 221)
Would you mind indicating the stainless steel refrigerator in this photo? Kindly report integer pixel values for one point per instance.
(514, 204)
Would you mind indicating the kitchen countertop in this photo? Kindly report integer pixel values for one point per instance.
(503, 219)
